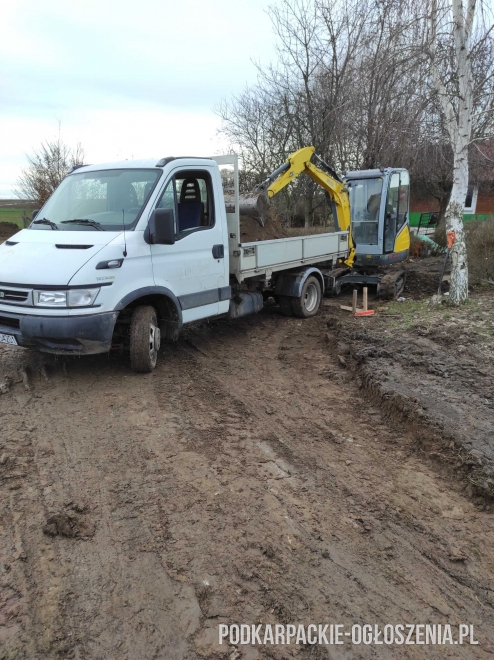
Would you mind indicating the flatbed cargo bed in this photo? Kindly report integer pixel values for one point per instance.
(266, 257)
(262, 258)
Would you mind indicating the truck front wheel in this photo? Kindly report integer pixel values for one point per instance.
(310, 299)
(145, 339)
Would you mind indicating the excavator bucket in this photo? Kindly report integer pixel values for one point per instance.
(255, 205)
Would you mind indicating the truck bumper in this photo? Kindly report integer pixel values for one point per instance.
(63, 335)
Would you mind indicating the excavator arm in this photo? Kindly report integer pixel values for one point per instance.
(299, 162)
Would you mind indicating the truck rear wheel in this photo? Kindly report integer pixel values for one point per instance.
(145, 339)
(286, 305)
(310, 299)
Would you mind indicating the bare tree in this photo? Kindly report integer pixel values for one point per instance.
(344, 82)
(299, 101)
(46, 168)
(430, 170)
(352, 80)
(430, 156)
(451, 55)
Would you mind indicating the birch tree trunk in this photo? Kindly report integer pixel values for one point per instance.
(458, 114)
(454, 222)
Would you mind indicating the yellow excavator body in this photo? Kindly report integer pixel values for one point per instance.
(372, 205)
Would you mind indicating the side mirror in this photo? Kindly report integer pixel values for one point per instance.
(161, 227)
(34, 214)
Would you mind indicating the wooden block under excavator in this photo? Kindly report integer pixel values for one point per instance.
(348, 308)
(358, 312)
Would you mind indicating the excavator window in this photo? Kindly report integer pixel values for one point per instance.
(365, 202)
(404, 199)
(396, 208)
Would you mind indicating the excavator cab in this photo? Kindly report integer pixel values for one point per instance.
(379, 208)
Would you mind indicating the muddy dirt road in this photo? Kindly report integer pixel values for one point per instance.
(247, 479)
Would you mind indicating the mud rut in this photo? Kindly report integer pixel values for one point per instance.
(247, 479)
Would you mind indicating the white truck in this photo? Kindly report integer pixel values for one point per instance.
(125, 254)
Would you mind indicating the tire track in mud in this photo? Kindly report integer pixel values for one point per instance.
(246, 479)
(89, 463)
(230, 397)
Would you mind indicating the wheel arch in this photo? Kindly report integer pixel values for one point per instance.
(291, 283)
(165, 303)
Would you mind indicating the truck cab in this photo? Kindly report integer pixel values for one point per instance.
(85, 257)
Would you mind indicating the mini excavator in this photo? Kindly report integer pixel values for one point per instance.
(372, 204)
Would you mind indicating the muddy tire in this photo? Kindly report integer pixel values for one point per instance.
(145, 339)
(286, 305)
(310, 300)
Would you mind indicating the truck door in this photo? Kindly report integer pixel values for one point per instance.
(194, 268)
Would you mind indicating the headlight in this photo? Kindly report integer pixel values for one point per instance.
(50, 298)
(71, 298)
(82, 297)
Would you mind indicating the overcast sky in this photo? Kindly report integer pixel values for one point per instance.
(126, 79)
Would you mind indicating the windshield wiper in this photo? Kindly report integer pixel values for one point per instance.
(83, 221)
(45, 221)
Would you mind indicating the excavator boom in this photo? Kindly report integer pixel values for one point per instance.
(298, 163)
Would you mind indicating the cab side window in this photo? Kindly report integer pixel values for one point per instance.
(168, 200)
(392, 209)
(397, 204)
(396, 208)
(403, 199)
(190, 194)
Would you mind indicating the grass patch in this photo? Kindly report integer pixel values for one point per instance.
(407, 307)
(12, 215)
(407, 314)
(474, 318)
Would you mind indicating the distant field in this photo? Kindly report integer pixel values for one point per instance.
(11, 211)
(12, 215)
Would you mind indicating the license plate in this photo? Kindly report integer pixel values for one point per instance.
(8, 339)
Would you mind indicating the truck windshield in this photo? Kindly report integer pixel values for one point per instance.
(365, 202)
(101, 200)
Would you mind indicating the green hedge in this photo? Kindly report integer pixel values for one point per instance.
(415, 217)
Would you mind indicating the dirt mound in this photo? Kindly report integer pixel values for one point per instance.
(251, 230)
(7, 229)
(69, 525)
(423, 276)
(422, 284)
(432, 368)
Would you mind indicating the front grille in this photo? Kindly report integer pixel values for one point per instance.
(9, 322)
(11, 295)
